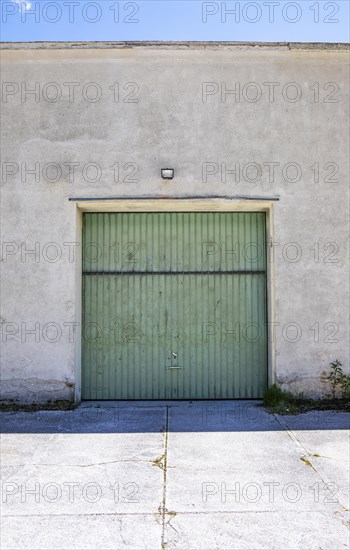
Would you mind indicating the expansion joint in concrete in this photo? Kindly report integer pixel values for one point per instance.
(163, 509)
(307, 455)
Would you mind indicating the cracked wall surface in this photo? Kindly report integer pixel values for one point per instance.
(171, 124)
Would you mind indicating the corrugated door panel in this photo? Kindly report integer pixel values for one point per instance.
(174, 306)
(175, 242)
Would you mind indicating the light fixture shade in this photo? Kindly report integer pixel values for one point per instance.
(167, 173)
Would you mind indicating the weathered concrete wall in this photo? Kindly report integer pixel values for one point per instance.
(172, 106)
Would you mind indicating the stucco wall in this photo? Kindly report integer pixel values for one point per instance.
(169, 106)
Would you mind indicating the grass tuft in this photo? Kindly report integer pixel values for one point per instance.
(278, 401)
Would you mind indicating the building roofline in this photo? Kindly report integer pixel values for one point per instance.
(185, 45)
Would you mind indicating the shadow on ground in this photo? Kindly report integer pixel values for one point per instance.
(170, 416)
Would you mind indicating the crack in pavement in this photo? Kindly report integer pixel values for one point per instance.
(306, 453)
(81, 465)
(171, 514)
(162, 507)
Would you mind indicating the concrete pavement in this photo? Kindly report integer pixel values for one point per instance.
(189, 475)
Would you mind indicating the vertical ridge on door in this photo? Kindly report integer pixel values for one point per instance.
(174, 305)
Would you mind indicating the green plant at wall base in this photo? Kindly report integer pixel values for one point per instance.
(345, 386)
(338, 379)
(279, 401)
(273, 395)
(335, 374)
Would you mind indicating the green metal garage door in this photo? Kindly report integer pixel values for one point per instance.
(174, 306)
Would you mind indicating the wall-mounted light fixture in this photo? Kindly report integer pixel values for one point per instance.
(167, 173)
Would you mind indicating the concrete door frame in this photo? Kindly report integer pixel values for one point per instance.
(175, 205)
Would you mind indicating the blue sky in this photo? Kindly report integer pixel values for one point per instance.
(259, 20)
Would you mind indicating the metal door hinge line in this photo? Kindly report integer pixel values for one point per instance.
(257, 272)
